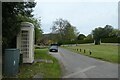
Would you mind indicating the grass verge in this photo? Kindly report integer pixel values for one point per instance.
(103, 52)
(47, 70)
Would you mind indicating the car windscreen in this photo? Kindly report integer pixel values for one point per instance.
(53, 47)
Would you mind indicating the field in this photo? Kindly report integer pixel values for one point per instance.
(46, 70)
(106, 52)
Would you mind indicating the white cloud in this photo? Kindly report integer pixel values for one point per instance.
(84, 15)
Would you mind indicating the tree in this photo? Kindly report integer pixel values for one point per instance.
(81, 37)
(89, 37)
(64, 30)
(11, 21)
(115, 33)
(69, 32)
(54, 37)
(59, 26)
(106, 31)
(99, 33)
(38, 30)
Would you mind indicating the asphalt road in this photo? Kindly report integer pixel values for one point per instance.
(79, 66)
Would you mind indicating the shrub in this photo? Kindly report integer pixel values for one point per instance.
(111, 40)
(76, 41)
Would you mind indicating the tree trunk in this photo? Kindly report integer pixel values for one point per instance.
(97, 41)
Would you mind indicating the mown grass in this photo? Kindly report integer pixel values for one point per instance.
(103, 52)
(46, 70)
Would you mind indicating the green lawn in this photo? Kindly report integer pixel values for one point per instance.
(47, 70)
(103, 52)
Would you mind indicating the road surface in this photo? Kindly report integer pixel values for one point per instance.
(79, 66)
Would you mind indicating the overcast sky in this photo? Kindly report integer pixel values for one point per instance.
(86, 16)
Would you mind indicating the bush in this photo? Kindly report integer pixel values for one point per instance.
(41, 47)
(76, 41)
(85, 41)
(111, 40)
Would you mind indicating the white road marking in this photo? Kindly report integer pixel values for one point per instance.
(86, 69)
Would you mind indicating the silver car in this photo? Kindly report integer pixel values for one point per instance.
(53, 48)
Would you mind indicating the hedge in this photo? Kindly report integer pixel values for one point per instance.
(76, 41)
(103, 40)
(110, 40)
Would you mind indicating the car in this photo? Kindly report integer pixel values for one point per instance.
(53, 48)
(54, 45)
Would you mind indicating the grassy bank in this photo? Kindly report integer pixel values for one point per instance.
(103, 52)
(46, 70)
